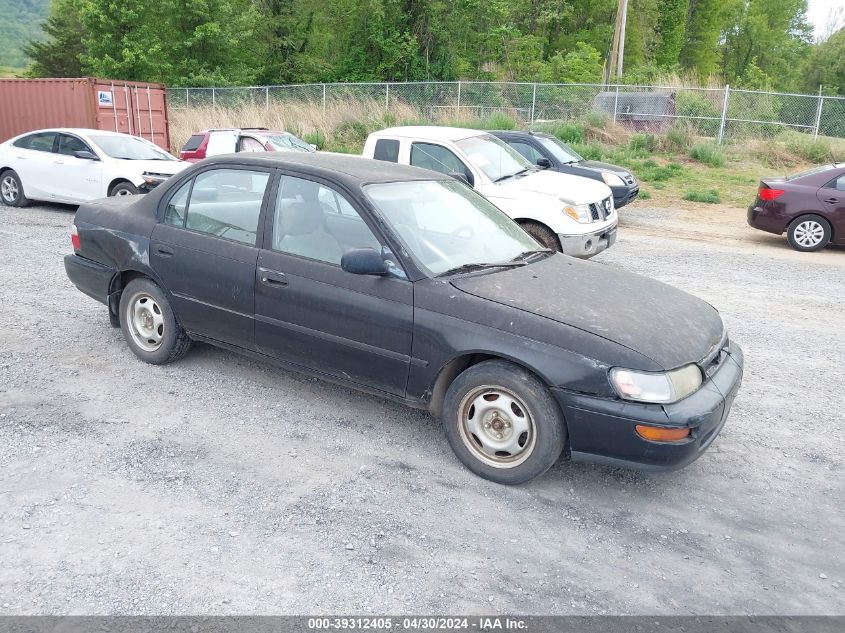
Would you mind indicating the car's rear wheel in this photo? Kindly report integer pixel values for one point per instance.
(503, 423)
(11, 189)
(808, 233)
(542, 234)
(149, 325)
(123, 189)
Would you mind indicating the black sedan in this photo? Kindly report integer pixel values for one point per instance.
(407, 284)
(549, 152)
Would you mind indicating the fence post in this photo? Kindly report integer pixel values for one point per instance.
(213, 98)
(533, 102)
(267, 98)
(324, 97)
(187, 98)
(615, 103)
(386, 96)
(818, 114)
(458, 113)
(724, 116)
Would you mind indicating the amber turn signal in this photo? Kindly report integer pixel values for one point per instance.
(657, 434)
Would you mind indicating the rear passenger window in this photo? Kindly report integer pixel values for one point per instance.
(41, 142)
(193, 143)
(225, 203)
(387, 149)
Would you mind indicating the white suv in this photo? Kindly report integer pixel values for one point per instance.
(564, 212)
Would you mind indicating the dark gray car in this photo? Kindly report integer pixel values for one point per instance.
(406, 283)
(549, 152)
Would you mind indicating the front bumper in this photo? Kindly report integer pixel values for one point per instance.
(589, 244)
(603, 430)
(625, 194)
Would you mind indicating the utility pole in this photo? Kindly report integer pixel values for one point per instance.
(617, 48)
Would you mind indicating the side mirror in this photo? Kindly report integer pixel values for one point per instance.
(544, 163)
(460, 178)
(363, 261)
(86, 155)
(313, 146)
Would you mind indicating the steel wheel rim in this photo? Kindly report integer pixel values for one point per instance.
(145, 321)
(808, 233)
(123, 192)
(9, 189)
(496, 426)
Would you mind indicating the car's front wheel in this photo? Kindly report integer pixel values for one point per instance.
(503, 423)
(808, 233)
(123, 189)
(542, 234)
(149, 325)
(11, 189)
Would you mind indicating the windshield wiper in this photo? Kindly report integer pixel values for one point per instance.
(468, 268)
(513, 175)
(525, 255)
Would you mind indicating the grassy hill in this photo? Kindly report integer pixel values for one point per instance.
(21, 21)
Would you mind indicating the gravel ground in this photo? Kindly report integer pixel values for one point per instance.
(223, 486)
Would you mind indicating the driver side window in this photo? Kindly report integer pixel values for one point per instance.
(438, 158)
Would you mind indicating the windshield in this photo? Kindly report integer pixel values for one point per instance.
(560, 150)
(445, 224)
(287, 142)
(496, 159)
(130, 148)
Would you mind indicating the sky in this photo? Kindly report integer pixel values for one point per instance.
(818, 11)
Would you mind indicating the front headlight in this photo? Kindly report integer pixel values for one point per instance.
(579, 212)
(152, 178)
(660, 387)
(611, 179)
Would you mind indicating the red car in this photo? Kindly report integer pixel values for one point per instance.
(809, 206)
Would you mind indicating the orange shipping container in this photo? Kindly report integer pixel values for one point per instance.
(130, 107)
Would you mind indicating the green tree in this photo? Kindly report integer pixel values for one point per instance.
(583, 65)
(671, 27)
(60, 52)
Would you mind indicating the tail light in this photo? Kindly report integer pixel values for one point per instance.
(768, 194)
(74, 238)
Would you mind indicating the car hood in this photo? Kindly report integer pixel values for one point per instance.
(572, 189)
(168, 167)
(600, 166)
(665, 324)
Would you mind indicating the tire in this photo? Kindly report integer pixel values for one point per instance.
(149, 325)
(515, 438)
(11, 189)
(542, 234)
(808, 233)
(123, 189)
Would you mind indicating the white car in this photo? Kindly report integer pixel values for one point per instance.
(75, 165)
(564, 212)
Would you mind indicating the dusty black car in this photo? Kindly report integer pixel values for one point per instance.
(549, 152)
(407, 284)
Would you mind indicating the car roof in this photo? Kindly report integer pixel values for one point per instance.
(433, 132)
(354, 170)
(78, 130)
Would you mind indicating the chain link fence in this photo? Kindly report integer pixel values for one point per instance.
(720, 113)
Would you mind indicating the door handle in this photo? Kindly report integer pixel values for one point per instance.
(59, 162)
(21, 157)
(832, 200)
(164, 251)
(273, 278)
